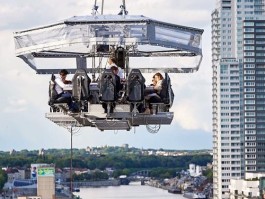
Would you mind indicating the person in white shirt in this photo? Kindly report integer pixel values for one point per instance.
(112, 62)
(60, 84)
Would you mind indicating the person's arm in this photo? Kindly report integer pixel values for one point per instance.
(67, 82)
(59, 82)
(158, 86)
(121, 73)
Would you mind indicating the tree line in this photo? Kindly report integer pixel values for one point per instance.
(117, 161)
(123, 163)
(3, 179)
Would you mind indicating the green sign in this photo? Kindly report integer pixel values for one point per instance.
(46, 171)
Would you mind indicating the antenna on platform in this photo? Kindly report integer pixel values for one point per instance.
(102, 6)
(123, 9)
(95, 9)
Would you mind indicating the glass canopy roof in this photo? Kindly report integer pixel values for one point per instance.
(84, 37)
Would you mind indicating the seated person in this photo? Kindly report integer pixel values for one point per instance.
(112, 62)
(60, 84)
(153, 96)
(115, 71)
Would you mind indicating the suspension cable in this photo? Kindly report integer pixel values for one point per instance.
(95, 8)
(102, 7)
(123, 9)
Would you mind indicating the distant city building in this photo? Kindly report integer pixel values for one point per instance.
(250, 187)
(46, 182)
(13, 151)
(126, 146)
(14, 173)
(209, 166)
(109, 171)
(195, 170)
(41, 152)
(25, 184)
(238, 107)
(151, 152)
(34, 168)
(22, 173)
(89, 149)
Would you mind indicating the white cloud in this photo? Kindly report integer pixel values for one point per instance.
(191, 116)
(192, 101)
(15, 105)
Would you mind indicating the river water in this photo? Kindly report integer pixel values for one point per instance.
(132, 191)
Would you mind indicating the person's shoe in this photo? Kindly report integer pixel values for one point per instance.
(72, 112)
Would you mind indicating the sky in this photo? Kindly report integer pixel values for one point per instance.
(24, 94)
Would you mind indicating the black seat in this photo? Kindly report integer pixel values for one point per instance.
(107, 89)
(167, 94)
(81, 83)
(135, 86)
(80, 91)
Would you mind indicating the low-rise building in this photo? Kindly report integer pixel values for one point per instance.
(195, 170)
(14, 173)
(250, 187)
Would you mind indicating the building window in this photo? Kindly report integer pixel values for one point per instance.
(249, 65)
(260, 30)
(249, 36)
(249, 59)
(249, 29)
(249, 23)
(260, 47)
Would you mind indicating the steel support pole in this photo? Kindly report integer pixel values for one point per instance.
(71, 167)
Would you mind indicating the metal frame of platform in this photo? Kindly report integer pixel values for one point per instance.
(81, 37)
(119, 120)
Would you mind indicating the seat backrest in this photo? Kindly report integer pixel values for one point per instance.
(135, 86)
(107, 87)
(167, 94)
(52, 92)
(81, 83)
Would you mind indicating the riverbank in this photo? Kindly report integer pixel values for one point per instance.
(101, 183)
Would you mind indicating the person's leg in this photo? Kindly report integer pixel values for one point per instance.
(140, 108)
(112, 107)
(154, 99)
(72, 105)
(104, 105)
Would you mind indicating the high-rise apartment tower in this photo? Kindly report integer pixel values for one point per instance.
(238, 101)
